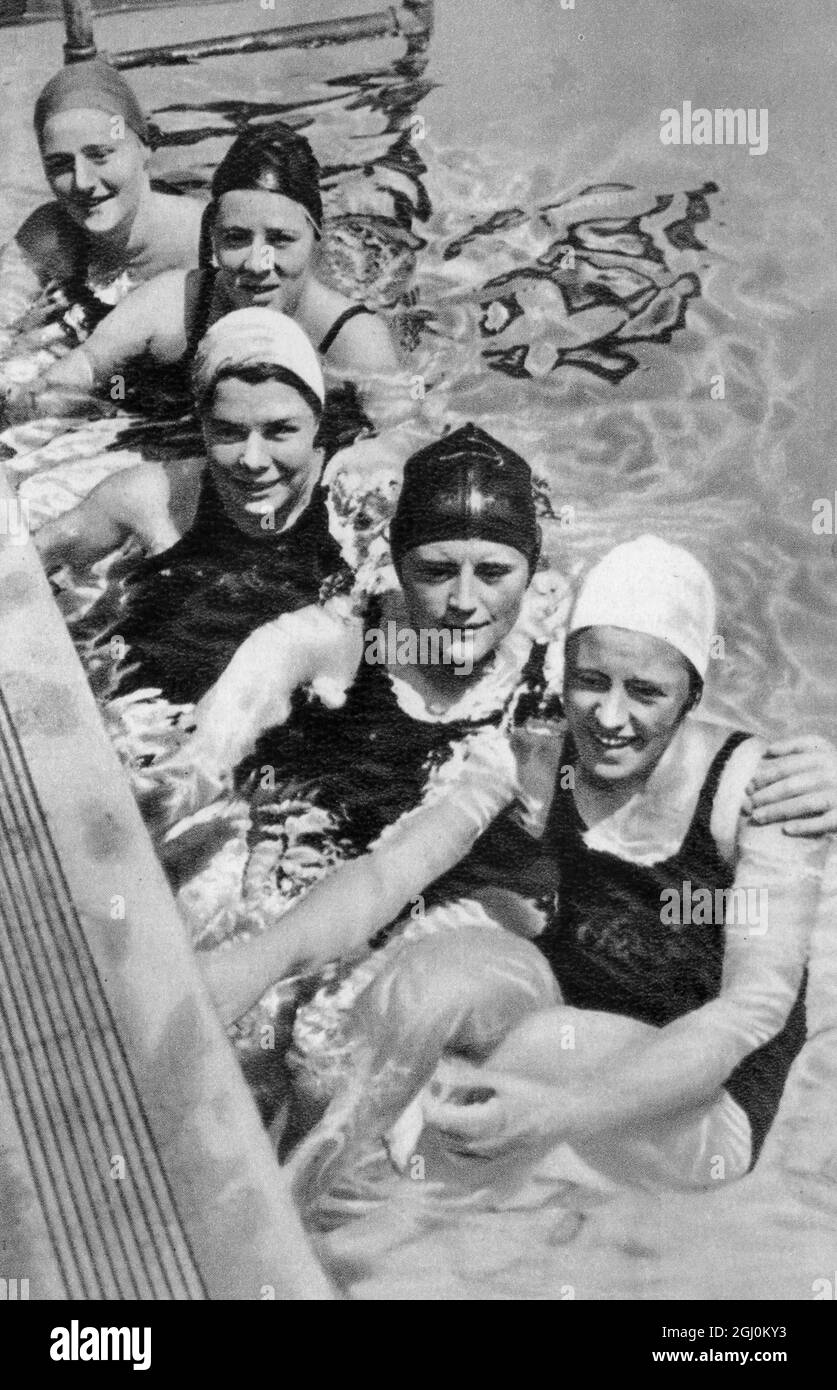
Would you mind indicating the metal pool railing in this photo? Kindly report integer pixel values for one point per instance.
(412, 19)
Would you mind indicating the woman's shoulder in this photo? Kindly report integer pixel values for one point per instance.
(711, 758)
(137, 489)
(320, 308)
(351, 336)
(730, 757)
(164, 295)
(136, 500)
(339, 625)
(51, 242)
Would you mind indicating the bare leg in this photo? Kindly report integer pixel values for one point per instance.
(457, 989)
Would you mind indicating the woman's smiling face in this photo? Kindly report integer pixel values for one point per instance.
(625, 694)
(471, 588)
(260, 443)
(264, 244)
(96, 167)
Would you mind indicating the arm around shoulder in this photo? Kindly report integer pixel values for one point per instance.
(364, 345)
(312, 646)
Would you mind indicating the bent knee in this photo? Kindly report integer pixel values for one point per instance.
(462, 989)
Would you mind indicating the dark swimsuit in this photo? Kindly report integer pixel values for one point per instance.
(610, 950)
(188, 610)
(367, 762)
(203, 308)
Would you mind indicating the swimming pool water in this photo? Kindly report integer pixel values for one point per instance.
(522, 108)
(539, 133)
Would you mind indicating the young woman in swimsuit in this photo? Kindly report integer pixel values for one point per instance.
(107, 230)
(679, 927)
(465, 542)
(341, 689)
(239, 538)
(263, 226)
(676, 931)
(360, 738)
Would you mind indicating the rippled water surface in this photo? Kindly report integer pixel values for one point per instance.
(686, 264)
(575, 286)
(540, 135)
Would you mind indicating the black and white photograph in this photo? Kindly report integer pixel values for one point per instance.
(418, 658)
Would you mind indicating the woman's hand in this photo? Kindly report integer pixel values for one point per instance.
(487, 1114)
(538, 746)
(796, 785)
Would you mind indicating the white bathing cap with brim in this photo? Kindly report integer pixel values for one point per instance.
(650, 586)
(255, 338)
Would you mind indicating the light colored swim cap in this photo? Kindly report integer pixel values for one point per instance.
(254, 338)
(650, 586)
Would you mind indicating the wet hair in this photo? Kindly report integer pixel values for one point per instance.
(268, 158)
(466, 486)
(254, 373)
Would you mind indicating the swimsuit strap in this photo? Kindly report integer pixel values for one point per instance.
(708, 792)
(350, 313)
(565, 818)
(200, 322)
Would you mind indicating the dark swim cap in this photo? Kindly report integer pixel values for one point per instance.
(94, 85)
(466, 486)
(276, 159)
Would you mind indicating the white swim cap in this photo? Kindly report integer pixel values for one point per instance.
(256, 337)
(650, 586)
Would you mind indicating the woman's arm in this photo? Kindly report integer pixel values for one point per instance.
(339, 915)
(364, 344)
(315, 646)
(133, 502)
(80, 536)
(684, 1065)
(769, 914)
(150, 319)
(311, 647)
(796, 785)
